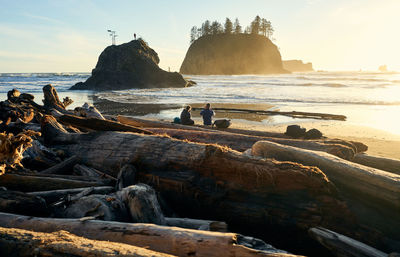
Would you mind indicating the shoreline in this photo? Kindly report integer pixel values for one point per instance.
(380, 143)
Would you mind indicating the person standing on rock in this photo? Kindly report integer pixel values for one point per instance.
(207, 114)
(186, 117)
(134, 35)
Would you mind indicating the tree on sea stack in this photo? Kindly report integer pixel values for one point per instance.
(228, 26)
(238, 28)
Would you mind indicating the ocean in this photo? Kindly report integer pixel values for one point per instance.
(369, 99)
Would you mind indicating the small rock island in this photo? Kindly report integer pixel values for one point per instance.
(130, 65)
(297, 66)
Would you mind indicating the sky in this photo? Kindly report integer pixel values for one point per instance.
(69, 35)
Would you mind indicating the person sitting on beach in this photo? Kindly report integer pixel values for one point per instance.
(186, 117)
(207, 114)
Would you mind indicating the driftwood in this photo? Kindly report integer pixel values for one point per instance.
(343, 246)
(137, 122)
(142, 203)
(24, 243)
(241, 143)
(126, 176)
(175, 241)
(209, 225)
(83, 170)
(212, 182)
(294, 114)
(99, 125)
(21, 203)
(382, 163)
(55, 195)
(12, 148)
(373, 183)
(36, 183)
(51, 100)
(64, 167)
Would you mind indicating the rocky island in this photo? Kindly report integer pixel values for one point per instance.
(297, 66)
(230, 54)
(130, 65)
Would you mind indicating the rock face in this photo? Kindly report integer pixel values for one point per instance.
(297, 66)
(228, 54)
(130, 65)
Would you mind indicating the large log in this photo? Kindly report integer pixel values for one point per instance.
(21, 203)
(221, 184)
(382, 163)
(64, 167)
(209, 225)
(175, 241)
(343, 246)
(99, 125)
(241, 142)
(36, 183)
(373, 183)
(23, 243)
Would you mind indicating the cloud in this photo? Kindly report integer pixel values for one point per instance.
(42, 18)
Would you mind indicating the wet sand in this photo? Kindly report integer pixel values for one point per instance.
(380, 143)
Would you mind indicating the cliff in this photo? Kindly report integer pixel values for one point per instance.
(130, 65)
(297, 66)
(232, 54)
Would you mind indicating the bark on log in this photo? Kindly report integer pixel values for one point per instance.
(35, 183)
(208, 225)
(65, 167)
(82, 170)
(55, 195)
(23, 243)
(221, 184)
(382, 163)
(241, 143)
(175, 241)
(21, 203)
(373, 183)
(343, 246)
(99, 125)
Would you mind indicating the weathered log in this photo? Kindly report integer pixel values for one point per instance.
(35, 183)
(373, 183)
(88, 111)
(21, 203)
(64, 167)
(51, 100)
(73, 177)
(137, 122)
(55, 195)
(176, 241)
(83, 170)
(126, 177)
(343, 246)
(241, 142)
(220, 184)
(209, 225)
(99, 125)
(23, 243)
(142, 203)
(382, 163)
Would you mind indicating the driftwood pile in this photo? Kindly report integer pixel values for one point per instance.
(177, 190)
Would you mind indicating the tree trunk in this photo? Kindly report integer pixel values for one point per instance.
(212, 182)
(99, 125)
(382, 163)
(343, 246)
(175, 241)
(241, 143)
(55, 195)
(372, 183)
(24, 243)
(36, 183)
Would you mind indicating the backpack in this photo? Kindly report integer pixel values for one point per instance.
(222, 123)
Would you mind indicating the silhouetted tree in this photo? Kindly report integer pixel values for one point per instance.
(193, 34)
(269, 30)
(216, 28)
(255, 25)
(206, 28)
(247, 30)
(237, 27)
(228, 26)
(263, 27)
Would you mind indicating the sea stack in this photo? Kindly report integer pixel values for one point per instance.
(230, 54)
(130, 65)
(297, 66)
